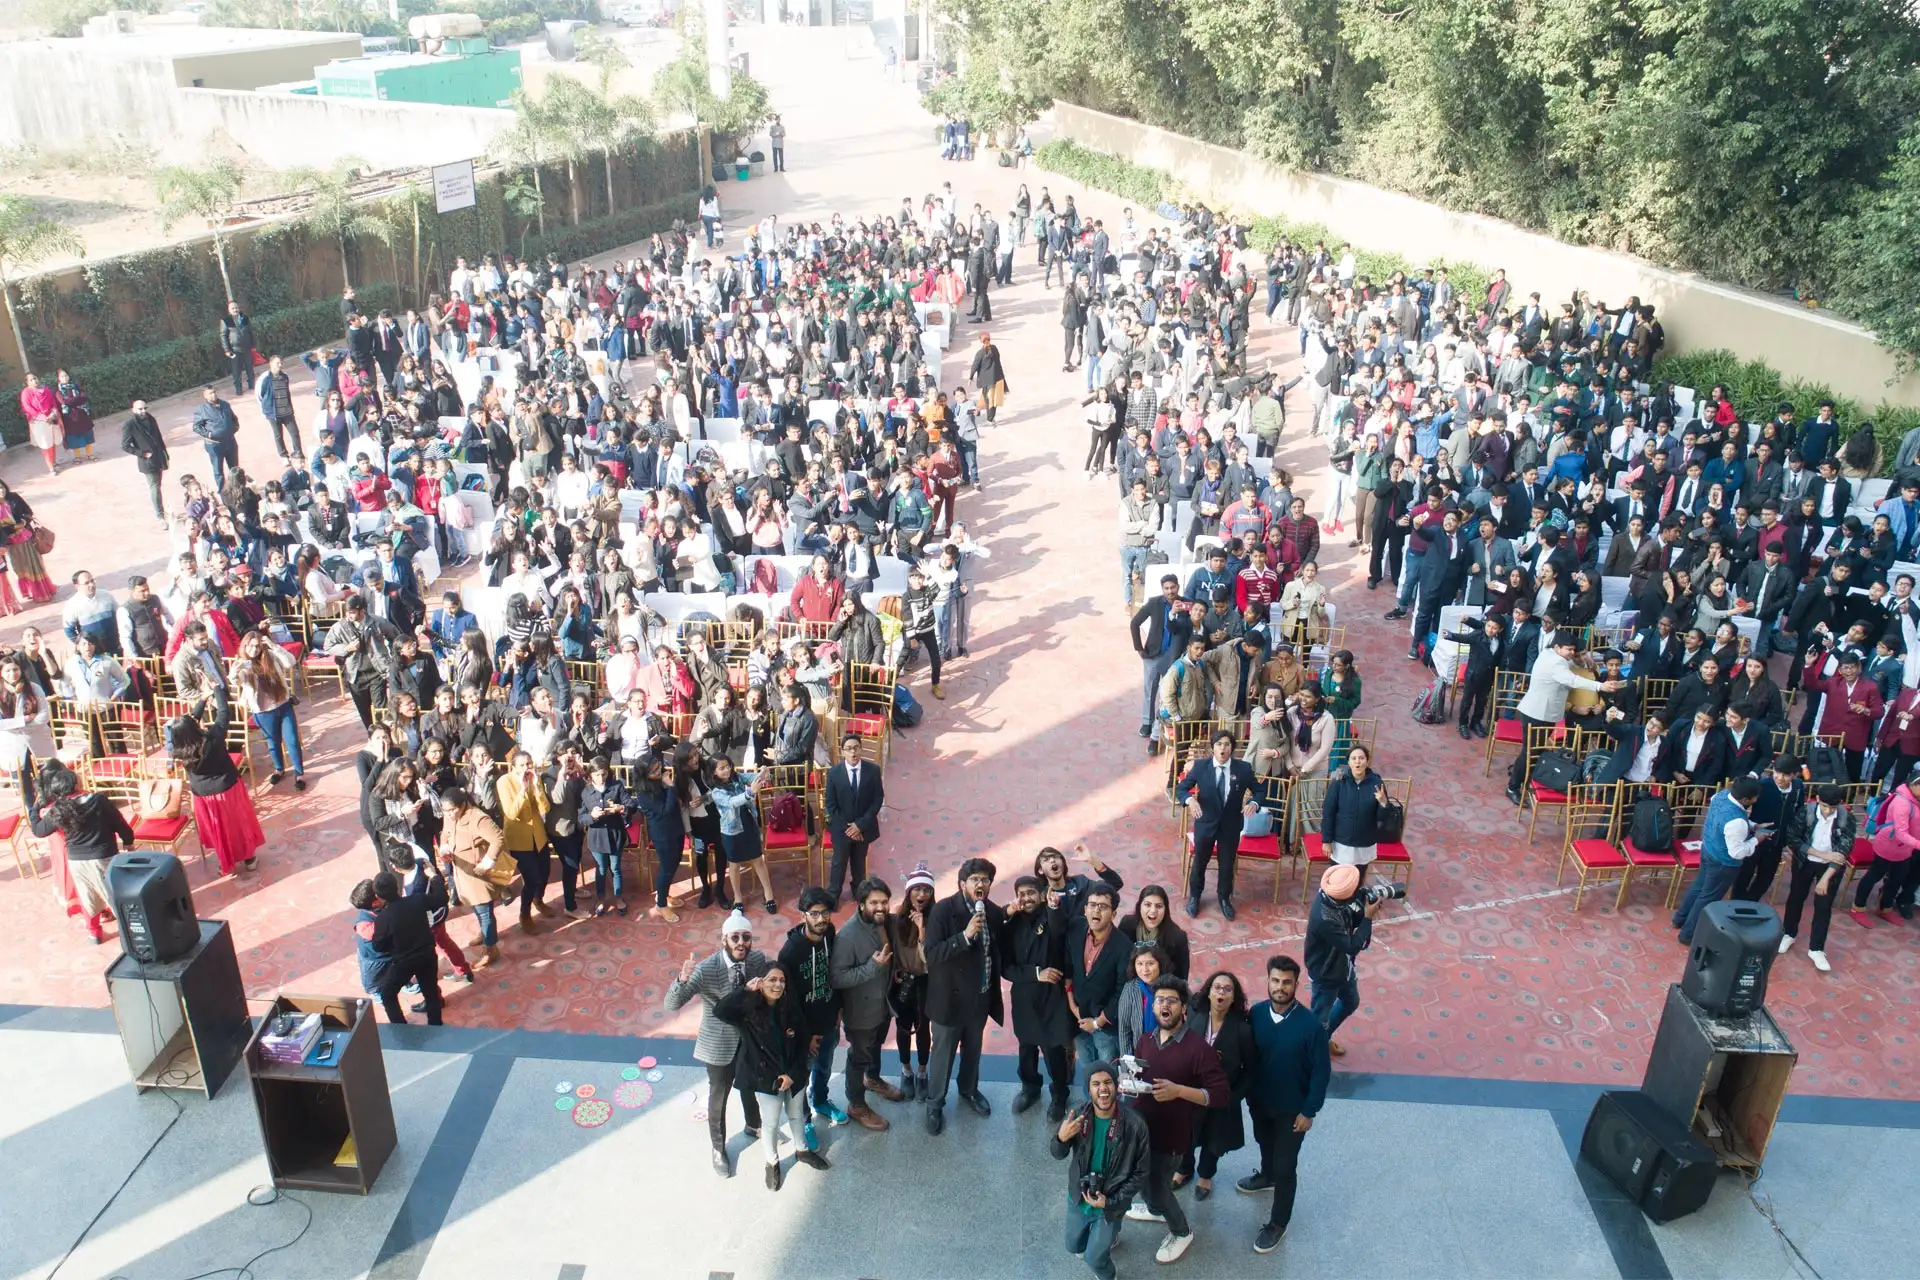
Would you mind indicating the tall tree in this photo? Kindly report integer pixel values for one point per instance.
(336, 213)
(207, 191)
(27, 239)
(525, 142)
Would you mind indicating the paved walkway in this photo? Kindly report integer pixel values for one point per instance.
(1486, 972)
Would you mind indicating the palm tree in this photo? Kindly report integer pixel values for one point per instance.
(525, 142)
(597, 49)
(206, 191)
(403, 212)
(526, 199)
(566, 114)
(617, 122)
(28, 238)
(335, 212)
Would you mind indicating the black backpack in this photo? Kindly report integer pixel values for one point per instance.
(1594, 767)
(1430, 705)
(1825, 763)
(1650, 830)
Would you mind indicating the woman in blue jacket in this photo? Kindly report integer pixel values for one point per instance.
(656, 798)
(1349, 821)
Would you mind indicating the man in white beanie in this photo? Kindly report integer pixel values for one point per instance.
(734, 965)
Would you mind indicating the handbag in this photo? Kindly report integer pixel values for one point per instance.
(161, 799)
(43, 539)
(1389, 821)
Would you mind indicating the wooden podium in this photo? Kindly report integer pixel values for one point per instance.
(183, 1023)
(1725, 1078)
(327, 1125)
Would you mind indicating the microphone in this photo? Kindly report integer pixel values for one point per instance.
(980, 909)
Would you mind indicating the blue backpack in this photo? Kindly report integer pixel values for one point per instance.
(906, 711)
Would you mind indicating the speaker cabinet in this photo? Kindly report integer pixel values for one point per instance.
(1723, 1077)
(1649, 1155)
(154, 906)
(1732, 953)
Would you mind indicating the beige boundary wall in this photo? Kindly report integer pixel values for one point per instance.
(1695, 311)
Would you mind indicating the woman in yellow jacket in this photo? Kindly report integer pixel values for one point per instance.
(523, 812)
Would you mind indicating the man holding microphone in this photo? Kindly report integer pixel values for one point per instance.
(966, 958)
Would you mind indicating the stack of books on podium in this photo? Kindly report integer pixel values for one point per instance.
(288, 1037)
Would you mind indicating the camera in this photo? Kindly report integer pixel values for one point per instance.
(1132, 1082)
(1092, 1185)
(1383, 893)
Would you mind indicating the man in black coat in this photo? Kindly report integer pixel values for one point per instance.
(966, 958)
(1485, 648)
(979, 277)
(1037, 968)
(142, 437)
(854, 797)
(1094, 988)
(1216, 791)
(1443, 571)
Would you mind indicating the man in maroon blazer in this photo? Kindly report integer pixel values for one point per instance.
(1853, 705)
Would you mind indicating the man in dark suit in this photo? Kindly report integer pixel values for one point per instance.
(1037, 969)
(1629, 739)
(966, 958)
(1767, 588)
(1656, 651)
(854, 796)
(1216, 791)
(1443, 570)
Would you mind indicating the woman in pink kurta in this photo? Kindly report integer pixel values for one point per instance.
(41, 408)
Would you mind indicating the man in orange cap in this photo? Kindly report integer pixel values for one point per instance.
(1339, 928)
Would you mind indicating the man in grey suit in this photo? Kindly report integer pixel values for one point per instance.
(735, 964)
(1492, 560)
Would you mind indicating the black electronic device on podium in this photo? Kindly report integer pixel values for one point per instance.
(183, 1021)
(326, 1115)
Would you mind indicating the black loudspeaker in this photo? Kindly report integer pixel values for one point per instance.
(1649, 1154)
(154, 905)
(1733, 950)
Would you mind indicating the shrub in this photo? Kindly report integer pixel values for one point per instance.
(1122, 177)
(617, 231)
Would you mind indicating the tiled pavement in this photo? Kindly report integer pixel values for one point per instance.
(1486, 971)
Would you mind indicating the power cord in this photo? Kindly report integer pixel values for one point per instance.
(273, 1195)
(178, 1111)
(1766, 1211)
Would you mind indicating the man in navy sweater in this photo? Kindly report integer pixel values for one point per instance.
(1289, 1086)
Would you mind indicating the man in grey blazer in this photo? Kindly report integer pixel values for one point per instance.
(734, 965)
(1492, 560)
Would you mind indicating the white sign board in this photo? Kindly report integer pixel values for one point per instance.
(453, 186)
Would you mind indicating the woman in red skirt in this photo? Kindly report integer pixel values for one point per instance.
(222, 809)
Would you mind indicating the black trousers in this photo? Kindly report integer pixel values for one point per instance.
(1070, 352)
(422, 967)
(1756, 873)
(719, 1084)
(536, 868)
(1892, 764)
(153, 488)
(1059, 1069)
(1517, 772)
(848, 856)
(1161, 1166)
(1805, 875)
(1279, 1163)
(291, 429)
(1384, 560)
(242, 362)
(1894, 875)
(965, 1040)
(1476, 695)
(570, 849)
(365, 699)
(930, 641)
(865, 1046)
(1216, 840)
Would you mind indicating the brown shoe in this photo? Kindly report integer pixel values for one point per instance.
(1337, 1049)
(542, 909)
(874, 1084)
(489, 956)
(529, 925)
(868, 1118)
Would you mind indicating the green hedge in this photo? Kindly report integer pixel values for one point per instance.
(598, 235)
(169, 368)
(1755, 388)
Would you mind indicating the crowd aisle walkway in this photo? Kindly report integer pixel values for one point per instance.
(1484, 972)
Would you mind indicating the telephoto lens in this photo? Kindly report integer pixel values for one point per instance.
(1384, 893)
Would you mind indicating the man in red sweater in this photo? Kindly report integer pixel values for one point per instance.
(816, 597)
(1186, 1078)
(1256, 585)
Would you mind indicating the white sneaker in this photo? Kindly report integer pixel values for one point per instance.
(1172, 1247)
(1819, 959)
(1139, 1212)
(1786, 944)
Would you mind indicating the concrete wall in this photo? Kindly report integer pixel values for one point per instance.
(1696, 312)
(251, 68)
(137, 100)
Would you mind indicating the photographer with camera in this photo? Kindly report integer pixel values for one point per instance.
(1339, 928)
(1107, 1144)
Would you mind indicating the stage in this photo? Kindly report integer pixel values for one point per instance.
(1402, 1175)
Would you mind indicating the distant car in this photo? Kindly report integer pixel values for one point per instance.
(636, 15)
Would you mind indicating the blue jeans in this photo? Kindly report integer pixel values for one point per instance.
(1708, 887)
(1096, 1046)
(489, 931)
(1409, 577)
(608, 875)
(1092, 1238)
(1133, 564)
(1151, 669)
(1274, 294)
(282, 732)
(969, 460)
(711, 225)
(1334, 1003)
(823, 1064)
